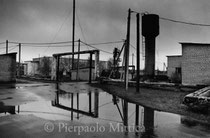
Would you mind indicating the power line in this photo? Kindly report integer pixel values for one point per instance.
(113, 42)
(12, 48)
(58, 31)
(57, 46)
(26, 43)
(2, 43)
(2, 47)
(183, 22)
(81, 27)
(96, 48)
(133, 46)
(176, 21)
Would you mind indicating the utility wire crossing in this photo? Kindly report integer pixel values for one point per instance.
(176, 21)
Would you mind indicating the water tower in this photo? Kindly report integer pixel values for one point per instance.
(150, 30)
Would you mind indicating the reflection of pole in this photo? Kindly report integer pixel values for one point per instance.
(127, 50)
(137, 53)
(148, 119)
(78, 105)
(6, 46)
(72, 102)
(137, 119)
(125, 112)
(90, 100)
(96, 104)
(78, 60)
(57, 94)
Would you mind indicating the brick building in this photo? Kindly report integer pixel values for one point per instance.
(193, 64)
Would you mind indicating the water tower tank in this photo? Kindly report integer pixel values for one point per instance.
(150, 25)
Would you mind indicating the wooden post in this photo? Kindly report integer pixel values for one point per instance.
(127, 49)
(90, 68)
(18, 108)
(73, 34)
(19, 60)
(78, 60)
(137, 68)
(7, 46)
(57, 68)
(133, 68)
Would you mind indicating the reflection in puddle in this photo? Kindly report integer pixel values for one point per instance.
(7, 109)
(93, 107)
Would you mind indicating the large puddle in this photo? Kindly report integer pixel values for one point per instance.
(93, 107)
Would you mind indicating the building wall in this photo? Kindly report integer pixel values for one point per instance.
(8, 67)
(173, 63)
(196, 64)
(32, 68)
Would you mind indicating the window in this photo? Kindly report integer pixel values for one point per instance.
(178, 70)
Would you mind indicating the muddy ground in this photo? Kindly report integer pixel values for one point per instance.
(162, 100)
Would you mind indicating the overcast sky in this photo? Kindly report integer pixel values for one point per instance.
(101, 21)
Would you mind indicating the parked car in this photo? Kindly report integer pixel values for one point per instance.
(199, 99)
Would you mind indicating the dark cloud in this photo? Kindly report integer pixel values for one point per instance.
(101, 21)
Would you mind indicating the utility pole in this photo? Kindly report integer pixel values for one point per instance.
(7, 46)
(126, 53)
(78, 60)
(132, 59)
(133, 69)
(19, 60)
(90, 67)
(137, 52)
(73, 34)
(137, 68)
(127, 49)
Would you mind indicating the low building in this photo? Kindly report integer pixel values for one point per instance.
(8, 68)
(34, 67)
(174, 65)
(193, 64)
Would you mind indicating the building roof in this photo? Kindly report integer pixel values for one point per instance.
(195, 44)
(175, 56)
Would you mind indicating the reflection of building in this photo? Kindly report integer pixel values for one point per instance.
(7, 109)
(193, 64)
